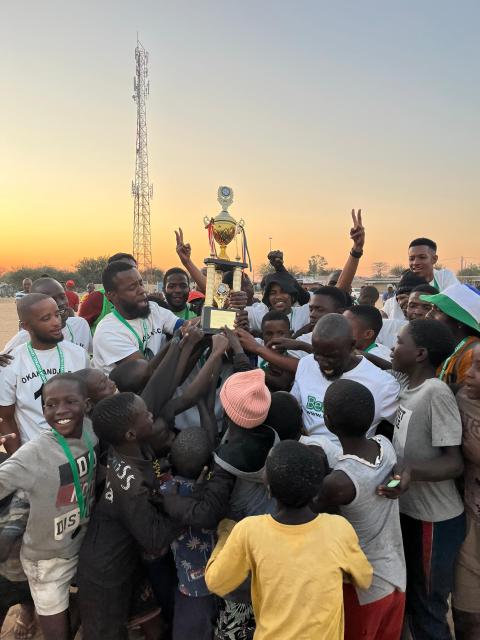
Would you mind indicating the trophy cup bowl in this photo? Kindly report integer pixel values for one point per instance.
(224, 229)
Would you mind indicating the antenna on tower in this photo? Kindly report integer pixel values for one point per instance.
(142, 190)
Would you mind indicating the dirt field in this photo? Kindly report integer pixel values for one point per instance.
(8, 320)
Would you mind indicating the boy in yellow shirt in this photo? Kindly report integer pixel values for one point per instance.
(297, 560)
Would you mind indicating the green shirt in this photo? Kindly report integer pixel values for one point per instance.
(185, 314)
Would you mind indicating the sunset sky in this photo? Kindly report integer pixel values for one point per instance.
(305, 108)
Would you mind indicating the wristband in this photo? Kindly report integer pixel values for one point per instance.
(356, 254)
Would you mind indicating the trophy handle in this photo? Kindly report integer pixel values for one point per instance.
(207, 221)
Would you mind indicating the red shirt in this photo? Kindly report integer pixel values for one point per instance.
(73, 299)
(92, 307)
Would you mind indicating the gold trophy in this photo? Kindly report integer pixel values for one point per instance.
(222, 229)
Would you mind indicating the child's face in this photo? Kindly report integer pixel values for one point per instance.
(275, 329)
(405, 352)
(319, 306)
(99, 386)
(362, 336)
(279, 300)
(472, 378)
(143, 420)
(64, 407)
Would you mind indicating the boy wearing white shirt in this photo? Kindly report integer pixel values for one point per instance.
(366, 323)
(422, 257)
(45, 355)
(332, 359)
(136, 328)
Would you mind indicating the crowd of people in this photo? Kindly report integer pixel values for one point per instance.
(312, 473)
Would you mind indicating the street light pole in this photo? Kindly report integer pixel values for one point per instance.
(270, 240)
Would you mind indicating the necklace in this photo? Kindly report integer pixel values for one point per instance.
(142, 344)
(40, 371)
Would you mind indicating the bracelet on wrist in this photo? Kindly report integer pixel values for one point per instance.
(356, 254)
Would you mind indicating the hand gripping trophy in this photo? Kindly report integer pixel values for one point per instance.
(222, 229)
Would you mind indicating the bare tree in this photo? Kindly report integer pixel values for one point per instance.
(379, 269)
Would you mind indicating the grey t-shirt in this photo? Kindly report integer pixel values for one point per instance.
(427, 420)
(376, 521)
(41, 469)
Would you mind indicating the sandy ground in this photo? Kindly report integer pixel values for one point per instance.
(8, 320)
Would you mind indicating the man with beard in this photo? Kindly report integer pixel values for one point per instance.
(74, 329)
(135, 328)
(176, 286)
(94, 308)
(332, 359)
(45, 355)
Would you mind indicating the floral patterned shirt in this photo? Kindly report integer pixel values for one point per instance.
(192, 549)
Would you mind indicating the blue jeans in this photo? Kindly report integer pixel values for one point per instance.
(431, 550)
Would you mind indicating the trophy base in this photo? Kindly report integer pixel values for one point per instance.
(213, 320)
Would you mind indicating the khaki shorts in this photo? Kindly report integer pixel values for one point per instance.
(49, 582)
(466, 594)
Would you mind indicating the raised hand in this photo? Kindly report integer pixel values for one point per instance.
(184, 250)
(219, 343)
(236, 300)
(192, 333)
(233, 340)
(241, 320)
(276, 259)
(357, 232)
(247, 341)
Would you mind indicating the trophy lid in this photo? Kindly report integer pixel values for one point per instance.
(225, 198)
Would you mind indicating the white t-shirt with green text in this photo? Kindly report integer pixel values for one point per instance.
(310, 386)
(20, 384)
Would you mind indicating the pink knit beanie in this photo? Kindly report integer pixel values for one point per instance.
(246, 399)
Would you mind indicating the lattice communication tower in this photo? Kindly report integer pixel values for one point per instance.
(142, 190)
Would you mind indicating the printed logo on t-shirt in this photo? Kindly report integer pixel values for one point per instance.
(122, 471)
(402, 419)
(314, 407)
(52, 371)
(66, 492)
(66, 523)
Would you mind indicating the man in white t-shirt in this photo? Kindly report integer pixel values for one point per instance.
(44, 356)
(332, 359)
(75, 330)
(136, 328)
(422, 257)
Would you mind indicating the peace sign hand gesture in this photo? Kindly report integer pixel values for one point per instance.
(357, 232)
(184, 251)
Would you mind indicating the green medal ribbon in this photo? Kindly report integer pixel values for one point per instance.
(459, 346)
(71, 334)
(38, 366)
(73, 466)
(142, 344)
(370, 347)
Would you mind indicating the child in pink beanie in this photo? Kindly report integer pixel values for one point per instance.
(243, 451)
(246, 399)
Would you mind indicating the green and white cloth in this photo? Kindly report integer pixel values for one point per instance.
(460, 301)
